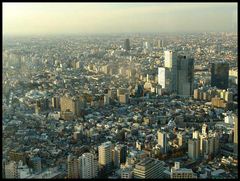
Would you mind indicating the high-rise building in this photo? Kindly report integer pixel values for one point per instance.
(119, 155)
(219, 75)
(169, 58)
(183, 76)
(11, 170)
(87, 166)
(160, 44)
(73, 167)
(105, 156)
(149, 168)
(193, 149)
(127, 45)
(180, 139)
(72, 104)
(181, 173)
(235, 139)
(162, 141)
(209, 144)
(205, 129)
(164, 78)
(178, 73)
(67, 103)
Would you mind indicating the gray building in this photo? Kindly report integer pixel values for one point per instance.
(149, 168)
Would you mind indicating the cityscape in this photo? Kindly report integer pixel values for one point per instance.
(118, 94)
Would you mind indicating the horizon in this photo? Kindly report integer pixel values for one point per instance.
(39, 19)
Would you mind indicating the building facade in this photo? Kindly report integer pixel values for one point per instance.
(162, 141)
(220, 75)
(149, 168)
(105, 156)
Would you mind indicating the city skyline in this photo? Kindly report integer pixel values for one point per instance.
(88, 18)
(120, 91)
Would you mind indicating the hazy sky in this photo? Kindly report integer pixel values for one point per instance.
(68, 18)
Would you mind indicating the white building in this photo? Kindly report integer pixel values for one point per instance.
(87, 166)
(162, 77)
(169, 57)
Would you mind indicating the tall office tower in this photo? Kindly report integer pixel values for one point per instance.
(193, 149)
(235, 139)
(181, 173)
(105, 156)
(149, 168)
(216, 143)
(73, 167)
(183, 76)
(161, 77)
(127, 45)
(220, 75)
(169, 58)
(205, 129)
(160, 43)
(119, 155)
(162, 141)
(170, 64)
(87, 166)
(164, 78)
(11, 170)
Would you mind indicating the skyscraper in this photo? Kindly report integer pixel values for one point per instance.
(183, 76)
(73, 167)
(160, 43)
(166, 74)
(164, 78)
(162, 141)
(161, 77)
(119, 155)
(193, 148)
(127, 45)
(87, 166)
(105, 156)
(219, 75)
(169, 58)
